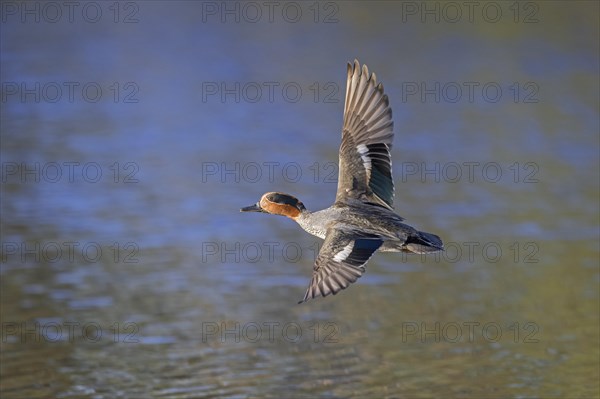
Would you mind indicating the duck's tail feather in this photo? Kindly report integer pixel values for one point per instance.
(422, 243)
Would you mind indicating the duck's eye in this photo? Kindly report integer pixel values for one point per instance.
(283, 199)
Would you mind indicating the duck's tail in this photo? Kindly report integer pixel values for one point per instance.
(422, 243)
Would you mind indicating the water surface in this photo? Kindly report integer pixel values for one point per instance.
(128, 271)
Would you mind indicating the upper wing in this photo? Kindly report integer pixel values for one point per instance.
(365, 162)
(340, 262)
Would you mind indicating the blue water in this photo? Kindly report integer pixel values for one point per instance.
(120, 207)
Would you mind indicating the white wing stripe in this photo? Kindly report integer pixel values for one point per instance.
(364, 154)
(343, 254)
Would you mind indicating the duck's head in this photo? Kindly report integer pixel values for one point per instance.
(277, 204)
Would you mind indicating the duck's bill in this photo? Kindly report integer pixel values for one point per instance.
(252, 208)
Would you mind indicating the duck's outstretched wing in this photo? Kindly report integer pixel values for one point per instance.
(341, 261)
(365, 169)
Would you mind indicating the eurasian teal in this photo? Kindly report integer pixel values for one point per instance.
(362, 220)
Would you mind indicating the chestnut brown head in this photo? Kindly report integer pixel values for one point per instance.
(277, 204)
